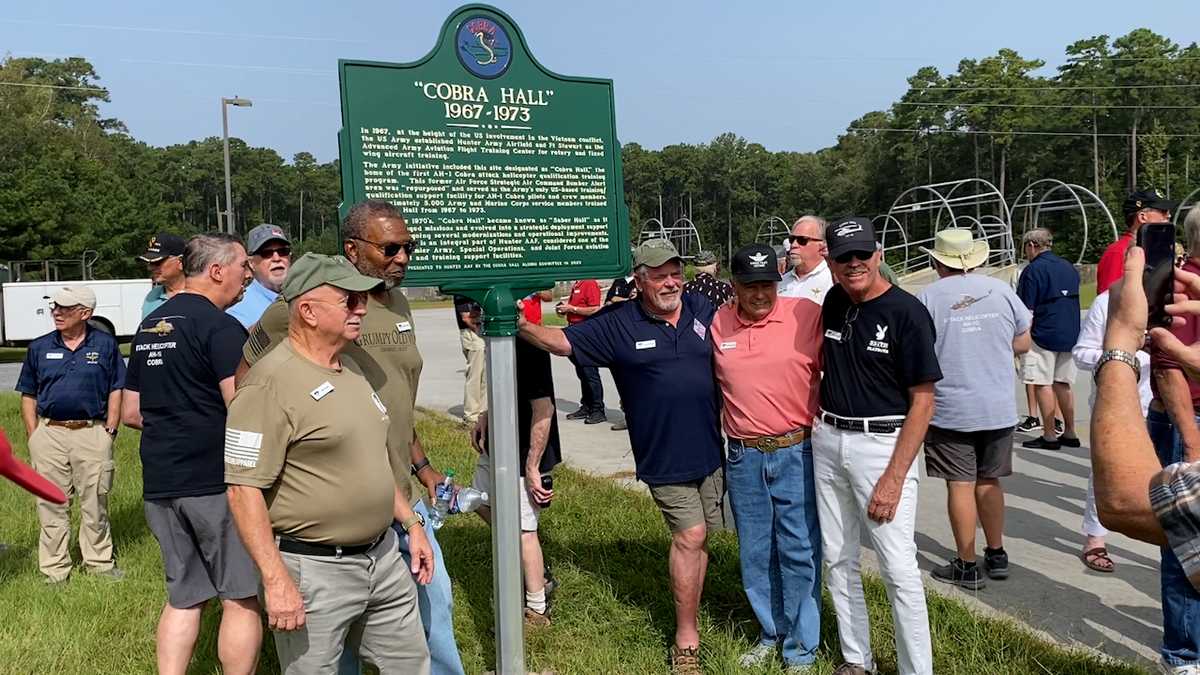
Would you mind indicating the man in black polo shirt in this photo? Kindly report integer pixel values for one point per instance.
(179, 382)
(876, 402)
(661, 359)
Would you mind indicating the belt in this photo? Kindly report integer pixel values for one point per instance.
(328, 550)
(773, 443)
(867, 426)
(71, 424)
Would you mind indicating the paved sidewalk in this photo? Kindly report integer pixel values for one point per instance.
(1050, 589)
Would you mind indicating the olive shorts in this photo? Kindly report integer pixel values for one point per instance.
(697, 502)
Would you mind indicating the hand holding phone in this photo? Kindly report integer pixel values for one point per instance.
(1158, 241)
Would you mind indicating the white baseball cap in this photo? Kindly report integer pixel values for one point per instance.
(69, 296)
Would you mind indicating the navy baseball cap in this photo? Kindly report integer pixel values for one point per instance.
(850, 235)
(755, 262)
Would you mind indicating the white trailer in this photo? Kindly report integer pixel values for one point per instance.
(26, 307)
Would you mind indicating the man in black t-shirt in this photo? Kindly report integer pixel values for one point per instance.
(876, 402)
(177, 387)
(537, 426)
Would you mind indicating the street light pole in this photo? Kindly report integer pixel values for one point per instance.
(241, 103)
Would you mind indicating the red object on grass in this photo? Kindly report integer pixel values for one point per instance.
(20, 473)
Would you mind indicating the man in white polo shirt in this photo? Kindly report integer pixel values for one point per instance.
(809, 276)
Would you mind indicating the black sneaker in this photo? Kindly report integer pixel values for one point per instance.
(1041, 443)
(1069, 442)
(579, 414)
(995, 562)
(960, 573)
(1058, 427)
(1029, 425)
(551, 582)
(597, 417)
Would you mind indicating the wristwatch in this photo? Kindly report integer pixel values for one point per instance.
(111, 431)
(414, 519)
(416, 468)
(1118, 355)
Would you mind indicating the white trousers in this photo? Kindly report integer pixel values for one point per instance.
(1091, 519)
(846, 466)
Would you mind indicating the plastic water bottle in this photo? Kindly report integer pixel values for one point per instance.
(444, 494)
(468, 499)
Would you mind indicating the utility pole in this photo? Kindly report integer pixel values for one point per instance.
(1095, 151)
(302, 216)
(225, 103)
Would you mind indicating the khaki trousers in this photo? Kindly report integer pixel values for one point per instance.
(79, 462)
(475, 389)
(368, 600)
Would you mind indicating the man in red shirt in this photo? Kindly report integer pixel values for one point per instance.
(584, 301)
(1143, 206)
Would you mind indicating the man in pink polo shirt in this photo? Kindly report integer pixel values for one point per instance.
(767, 353)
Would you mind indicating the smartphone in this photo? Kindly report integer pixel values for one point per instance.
(547, 484)
(1158, 241)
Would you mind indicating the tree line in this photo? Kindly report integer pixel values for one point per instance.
(1117, 113)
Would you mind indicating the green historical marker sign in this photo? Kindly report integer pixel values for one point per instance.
(509, 174)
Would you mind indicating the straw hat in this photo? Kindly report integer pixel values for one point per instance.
(957, 249)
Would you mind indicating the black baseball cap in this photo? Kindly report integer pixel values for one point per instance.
(755, 262)
(848, 235)
(1147, 199)
(163, 245)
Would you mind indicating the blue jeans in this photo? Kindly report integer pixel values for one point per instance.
(437, 610)
(773, 496)
(1180, 601)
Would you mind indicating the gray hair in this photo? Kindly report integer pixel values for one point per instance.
(809, 218)
(1191, 231)
(1039, 237)
(355, 224)
(205, 250)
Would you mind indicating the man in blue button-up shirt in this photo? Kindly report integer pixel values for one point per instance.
(70, 389)
(1049, 287)
(270, 257)
(661, 359)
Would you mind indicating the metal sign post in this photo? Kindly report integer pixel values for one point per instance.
(509, 176)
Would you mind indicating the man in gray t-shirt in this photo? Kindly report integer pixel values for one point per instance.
(981, 324)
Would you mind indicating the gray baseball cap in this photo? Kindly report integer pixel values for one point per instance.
(262, 234)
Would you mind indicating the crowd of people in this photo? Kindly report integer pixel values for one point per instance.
(804, 391)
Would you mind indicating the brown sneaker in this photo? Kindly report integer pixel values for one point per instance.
(537, 619)
(685, 661)
(851, 669)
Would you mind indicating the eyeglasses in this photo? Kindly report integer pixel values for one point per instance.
(848, 324)
(267, 254)
(802, 241)
(856, 255)
(392, 249)
(349, 302)
(55, 307)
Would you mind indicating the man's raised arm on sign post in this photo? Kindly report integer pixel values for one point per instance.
(546, 338)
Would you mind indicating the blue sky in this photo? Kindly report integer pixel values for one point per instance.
(789, 75)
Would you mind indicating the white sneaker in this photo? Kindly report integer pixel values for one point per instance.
(759, 653)
(1189, 669)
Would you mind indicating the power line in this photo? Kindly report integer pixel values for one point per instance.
(1064, 87)
(51, 86)
(966, 104)
(176, 31)
(234, 66)
(985, 132)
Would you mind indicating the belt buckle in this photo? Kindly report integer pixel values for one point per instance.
(768, 444)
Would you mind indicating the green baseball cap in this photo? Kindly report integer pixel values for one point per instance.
(314, 269)
(655, 253)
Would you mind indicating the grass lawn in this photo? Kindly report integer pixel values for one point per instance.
(613, 613)
(1087, 293)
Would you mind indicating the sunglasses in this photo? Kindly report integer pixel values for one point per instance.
(268, 253)
(855, 255)
(802, 241)
(393, 249)
(350, 302)
(848, 323)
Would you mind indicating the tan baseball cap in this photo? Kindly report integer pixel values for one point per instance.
(314, 269)
(69, 296)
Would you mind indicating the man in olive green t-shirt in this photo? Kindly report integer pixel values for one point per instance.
(311, 488)
(387, 352)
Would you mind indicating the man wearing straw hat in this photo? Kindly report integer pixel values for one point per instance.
(980, 324)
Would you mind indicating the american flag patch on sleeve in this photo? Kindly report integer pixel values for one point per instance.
(242, 447)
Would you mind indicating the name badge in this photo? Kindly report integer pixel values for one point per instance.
(725, 346)
(833, 335)
(699, 328)
(644, 344)
(403, 326)
(54, 355)
(321, 391)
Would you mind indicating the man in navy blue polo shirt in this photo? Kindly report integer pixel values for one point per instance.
(70, 389)
(1049, 287)
(661, 359)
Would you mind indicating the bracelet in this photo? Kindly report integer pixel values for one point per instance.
(1118, 355)
(414, 519)
(419, 466)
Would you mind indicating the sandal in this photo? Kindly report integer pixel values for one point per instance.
(1092, 555)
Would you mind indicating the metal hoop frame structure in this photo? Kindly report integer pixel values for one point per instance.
(1189, 202)
(1050, 195)
(772, 231)
(682, 233)
(921, 212)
